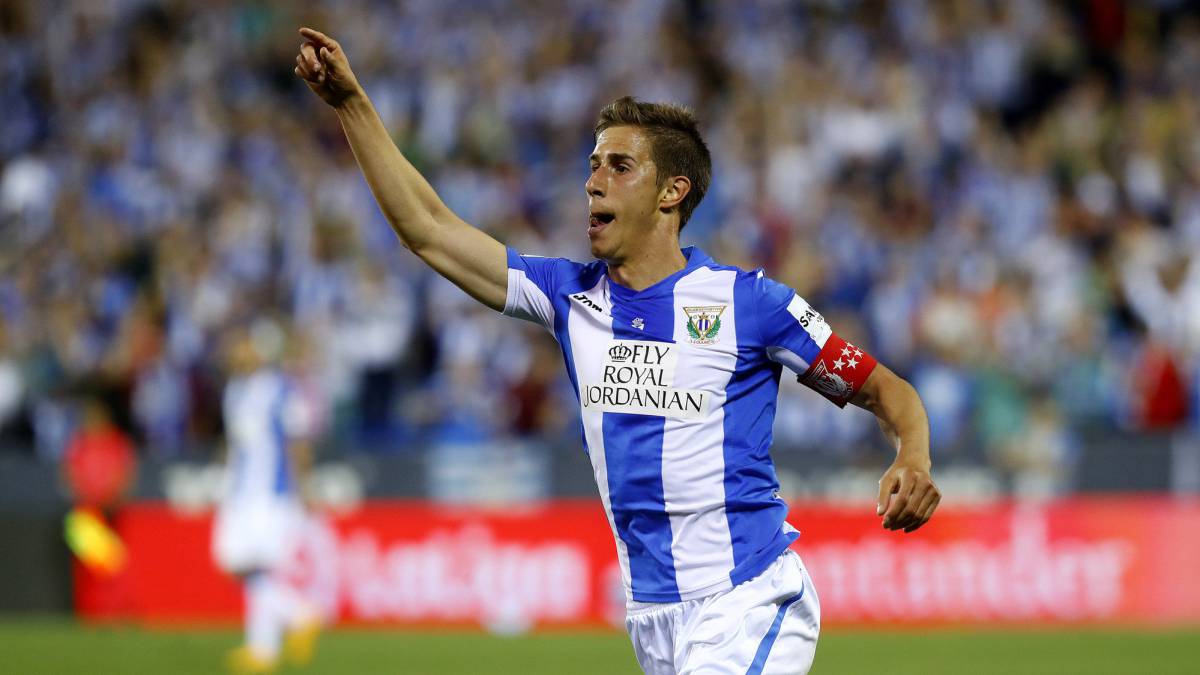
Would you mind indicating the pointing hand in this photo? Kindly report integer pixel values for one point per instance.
(323, 66)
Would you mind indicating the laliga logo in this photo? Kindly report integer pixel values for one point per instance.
(619, 353)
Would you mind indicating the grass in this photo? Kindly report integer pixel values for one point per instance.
(61, 646)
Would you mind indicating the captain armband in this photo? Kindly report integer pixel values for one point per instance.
(839, 371)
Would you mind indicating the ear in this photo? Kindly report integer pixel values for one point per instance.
(673, 193)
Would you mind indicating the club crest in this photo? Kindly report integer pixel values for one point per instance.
(829, 383)
(704, 323)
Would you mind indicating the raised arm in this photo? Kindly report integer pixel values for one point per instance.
(907, 484)
(467, 256)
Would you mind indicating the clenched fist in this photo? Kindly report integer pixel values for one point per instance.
(907, 496)
(324, 67)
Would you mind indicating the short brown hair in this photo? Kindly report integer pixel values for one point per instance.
(675, 144)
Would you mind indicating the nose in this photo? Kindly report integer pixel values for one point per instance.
(592, 186)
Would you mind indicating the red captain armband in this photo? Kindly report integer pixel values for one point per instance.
(839, 371)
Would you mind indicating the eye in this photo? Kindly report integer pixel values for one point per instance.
(621, 168)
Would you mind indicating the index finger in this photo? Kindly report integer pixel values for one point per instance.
(887, 485)
(903, 494)
(318, 37)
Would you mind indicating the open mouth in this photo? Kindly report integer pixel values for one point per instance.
(598, 221)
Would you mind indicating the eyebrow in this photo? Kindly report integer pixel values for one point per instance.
(613, 157)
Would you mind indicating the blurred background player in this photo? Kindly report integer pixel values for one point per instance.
(261, 517)
(99, 468)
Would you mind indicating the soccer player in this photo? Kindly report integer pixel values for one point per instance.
(260, 517)
(676, 360)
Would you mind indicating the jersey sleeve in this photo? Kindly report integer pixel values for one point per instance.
(797, 336)
(532, 282)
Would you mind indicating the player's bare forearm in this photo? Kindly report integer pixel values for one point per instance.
(424, 224)
(407, 200)
(900, 414)
(907, 494)
(301, 453)
(463, 254)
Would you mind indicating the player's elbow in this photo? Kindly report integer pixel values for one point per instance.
(422, 238)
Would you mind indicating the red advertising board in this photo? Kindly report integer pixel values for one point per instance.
(1126, 560)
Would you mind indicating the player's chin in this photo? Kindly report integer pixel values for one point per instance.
(601, 247)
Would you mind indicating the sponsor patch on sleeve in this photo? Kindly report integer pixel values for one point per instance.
(810, 320)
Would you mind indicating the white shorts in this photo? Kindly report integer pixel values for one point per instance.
(766, 625)
(258, 535)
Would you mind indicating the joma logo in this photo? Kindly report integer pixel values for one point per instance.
(586, 301)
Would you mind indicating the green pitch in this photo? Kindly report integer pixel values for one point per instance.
(58, 646)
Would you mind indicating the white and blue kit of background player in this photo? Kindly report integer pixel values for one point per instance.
(260, 515)
(677, 386)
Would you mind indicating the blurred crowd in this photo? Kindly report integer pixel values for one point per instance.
(1001, 198)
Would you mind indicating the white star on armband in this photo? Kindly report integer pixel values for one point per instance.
(837, 365)
(852, 363)
(857, 353)
(845, 352)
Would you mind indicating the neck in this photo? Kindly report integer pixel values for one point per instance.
(650, 264)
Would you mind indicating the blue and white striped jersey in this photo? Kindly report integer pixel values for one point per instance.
(677, 386)
(263, 412)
